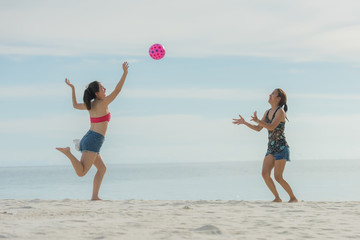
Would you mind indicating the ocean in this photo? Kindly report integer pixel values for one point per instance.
(310, 181)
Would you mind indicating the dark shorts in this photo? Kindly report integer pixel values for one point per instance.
(92, 142)
(283, 154)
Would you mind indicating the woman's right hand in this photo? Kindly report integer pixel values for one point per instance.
(125, 67)
(239, 121)
(68, 83)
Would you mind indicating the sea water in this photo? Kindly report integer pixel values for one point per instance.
(310, 181)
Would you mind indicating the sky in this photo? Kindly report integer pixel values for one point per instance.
(223, 58)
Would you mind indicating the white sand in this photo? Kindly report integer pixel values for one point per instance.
(134, 219)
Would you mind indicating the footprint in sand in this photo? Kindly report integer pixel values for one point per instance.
(208, 229)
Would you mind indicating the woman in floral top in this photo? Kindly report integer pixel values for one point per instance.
(278, 150)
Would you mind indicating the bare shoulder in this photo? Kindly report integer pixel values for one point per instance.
(99, 106)
(266, 112)
(99, 103)
(281, 113)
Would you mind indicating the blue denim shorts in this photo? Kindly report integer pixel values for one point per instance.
(283, 154)
(92, 141)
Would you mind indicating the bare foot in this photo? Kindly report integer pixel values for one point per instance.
(64, 150)
(277, 200)
(292, 200)
(96, 199)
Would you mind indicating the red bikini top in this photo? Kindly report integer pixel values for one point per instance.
(105, 118)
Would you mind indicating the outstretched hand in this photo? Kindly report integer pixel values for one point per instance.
(68, 83)
(239, 121)
(254, 117)
(125, 67)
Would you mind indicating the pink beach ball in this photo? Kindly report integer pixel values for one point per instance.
(157, 51)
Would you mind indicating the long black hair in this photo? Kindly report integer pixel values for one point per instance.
(282, 95)
(283, 99)
(90, 93)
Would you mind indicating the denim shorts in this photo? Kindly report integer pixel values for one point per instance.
(283, 154)
(92, 141)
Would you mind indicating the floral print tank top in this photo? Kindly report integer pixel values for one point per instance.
(277, 141)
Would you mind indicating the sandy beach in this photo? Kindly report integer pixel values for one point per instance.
(136, 219)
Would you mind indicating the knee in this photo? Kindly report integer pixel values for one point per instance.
(279, 178)
(81, 174)
(102, 170)
(265, 175)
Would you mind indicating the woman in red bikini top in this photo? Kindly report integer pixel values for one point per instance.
(96, 102)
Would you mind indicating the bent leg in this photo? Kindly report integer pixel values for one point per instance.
(81, 167)
(87, 160)
(278, 172)
(268, 165)
(101, 169)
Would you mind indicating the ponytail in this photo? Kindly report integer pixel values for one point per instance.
(90, 93)
(285, 107)
(283, 100)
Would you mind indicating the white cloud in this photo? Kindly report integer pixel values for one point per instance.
(8, 49)
(196, 93)
(179, 138)
(226, 94)
(326, 96)
(296, 30)
(31, 91)
(326, 136)
(161, 138)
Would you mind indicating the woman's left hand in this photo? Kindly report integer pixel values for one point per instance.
(255, 118)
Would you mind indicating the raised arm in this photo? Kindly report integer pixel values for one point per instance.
(280, 116)
(119, 86)
(241, 120)
(80, 106)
